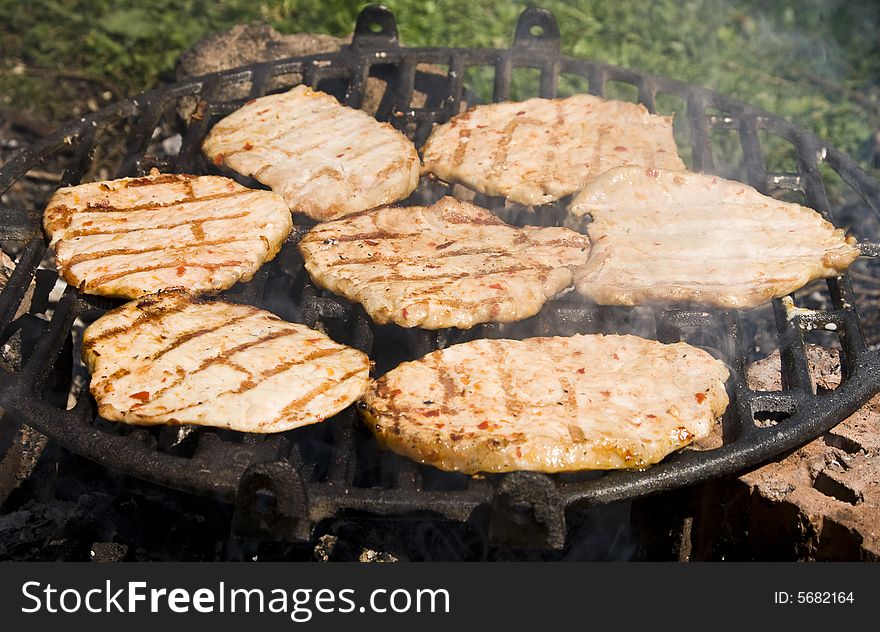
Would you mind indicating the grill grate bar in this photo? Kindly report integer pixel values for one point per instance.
(842, 296)
(38, 367)
(20, 280)
(742, 419)
(259, 81)
(793, 354)
(647, 94)
(751, 146)
(344, 461)
(310, 75)
(189, 157)
(20, 224)
(361, 332)
(314, 73)
(501, 87)
(252, 291)
(773, 401)
(809, 153)
(549, 78)
(405, 475)
(406, 81)
(328, 500)
(699, 126)
(456, 85)
(867, 188)
(851, 342)
(722, 122)
(358, 84)
(789, 181)
(388, 104)
(763, 409)
(846, 320)
(25, 160)
(424, 124)
(81, 159)
(140, 139)
(597, 78)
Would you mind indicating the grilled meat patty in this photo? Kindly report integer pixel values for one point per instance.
(325, 159)
(171, 359)
(681, 236)
(548, 404)
(135, 236)
(451, 264)
(537, 151)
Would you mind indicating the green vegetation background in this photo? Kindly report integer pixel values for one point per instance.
(816, 62)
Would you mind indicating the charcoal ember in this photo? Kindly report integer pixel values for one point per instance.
(108, 552)
(253, 43)
(28, 533)
(368, 555)
(826, 494)
(20, 446)
(331, 548)
(325, 547)
(60, 530)
(10, 351)
(20, 459)
(88, 520)
(7, 267)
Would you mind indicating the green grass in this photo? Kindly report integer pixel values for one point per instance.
(814, 62)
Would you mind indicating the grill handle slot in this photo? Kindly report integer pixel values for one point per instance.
(272, 504)
(375, 28)
(527, 510)
(537, 30)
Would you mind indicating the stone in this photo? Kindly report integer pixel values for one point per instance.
(243, 45)
(253, 43)
(249, 44)
(828, 491)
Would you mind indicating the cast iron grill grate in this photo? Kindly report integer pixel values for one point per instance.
(282, 485)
